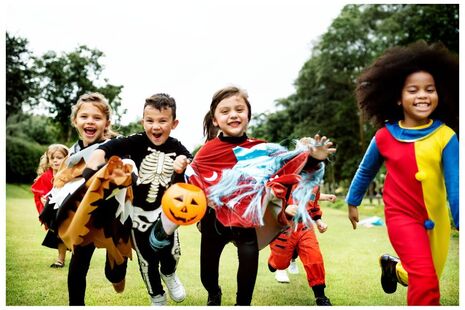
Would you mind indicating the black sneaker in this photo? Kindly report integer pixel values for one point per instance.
(271, 268)
(214, 299)
(388, 273)
(323, 301)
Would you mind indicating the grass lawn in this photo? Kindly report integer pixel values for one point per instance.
(351, 262)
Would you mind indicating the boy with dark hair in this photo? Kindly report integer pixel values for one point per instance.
(160, 160)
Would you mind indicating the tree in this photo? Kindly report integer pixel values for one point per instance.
(67, 76)
(324, 102)
(21, 77)
(130, 128)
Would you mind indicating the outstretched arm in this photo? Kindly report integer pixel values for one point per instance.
(96, 159)
(328, 197)
(320, 147)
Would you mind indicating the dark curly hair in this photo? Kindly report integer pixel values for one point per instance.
(379, 87)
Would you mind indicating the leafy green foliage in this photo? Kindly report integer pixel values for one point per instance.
(22, 159)
(67, 76)
(21, 76)
(38, 128)
(55, 81)
(324, 102)
(130, 128)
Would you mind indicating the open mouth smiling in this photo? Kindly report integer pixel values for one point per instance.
(90, 131)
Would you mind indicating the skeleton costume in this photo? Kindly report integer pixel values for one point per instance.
(155, 175)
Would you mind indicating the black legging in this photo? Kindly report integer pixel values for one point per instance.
(78, 268)
(215, 236)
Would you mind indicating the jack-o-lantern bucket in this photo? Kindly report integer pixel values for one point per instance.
(184, 204)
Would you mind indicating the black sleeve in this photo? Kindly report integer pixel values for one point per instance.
(312, 164)
(119, 146)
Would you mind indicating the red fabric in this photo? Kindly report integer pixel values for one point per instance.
(209, 163)
(305, 242)
(405, 214)
(42, 186)
(313, 207)
(216, 156)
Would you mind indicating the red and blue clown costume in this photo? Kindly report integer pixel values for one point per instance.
(422, 175)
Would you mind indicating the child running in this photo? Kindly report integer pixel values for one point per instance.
(412, 94)
(229, 114)
(49, 164)
(302, 240)
(160, 160)
(91, 118)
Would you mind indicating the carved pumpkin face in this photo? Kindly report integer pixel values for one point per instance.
(184, 204)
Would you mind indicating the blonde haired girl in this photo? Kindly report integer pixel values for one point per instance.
(49, 164)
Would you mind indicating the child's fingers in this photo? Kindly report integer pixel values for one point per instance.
(332, 150)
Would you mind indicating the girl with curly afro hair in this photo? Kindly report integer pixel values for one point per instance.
(412, 93)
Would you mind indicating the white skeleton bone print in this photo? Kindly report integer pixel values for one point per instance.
(156, 169)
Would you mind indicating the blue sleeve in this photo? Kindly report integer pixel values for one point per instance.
(366, 172)
(450, 164)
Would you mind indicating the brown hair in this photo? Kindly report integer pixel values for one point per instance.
(161, 101)
(99, 101)
(211, 131)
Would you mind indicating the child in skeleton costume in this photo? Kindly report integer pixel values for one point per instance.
(161, 161)
(299, 237)
(241, 176)
(75, 213)
(411, 93)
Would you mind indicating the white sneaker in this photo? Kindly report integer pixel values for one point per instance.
(281, 276)
(159, 300)
(293, 268)
(174, 286)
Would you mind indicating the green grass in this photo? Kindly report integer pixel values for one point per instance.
(351, 262)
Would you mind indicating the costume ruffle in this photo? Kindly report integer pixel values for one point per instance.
(94, 211)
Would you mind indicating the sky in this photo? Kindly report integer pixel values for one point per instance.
(188, 49)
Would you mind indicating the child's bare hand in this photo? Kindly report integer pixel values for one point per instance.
(43, 199)
(320, 146)
(180, 163)
(353, 216)
(328, 197)
(291, 210)
(322, 226)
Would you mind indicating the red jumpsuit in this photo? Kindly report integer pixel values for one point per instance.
(302, 239)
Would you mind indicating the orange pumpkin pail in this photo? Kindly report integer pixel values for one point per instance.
(184, 204)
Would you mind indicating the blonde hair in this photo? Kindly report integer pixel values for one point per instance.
(44, 162)
(100, 102)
